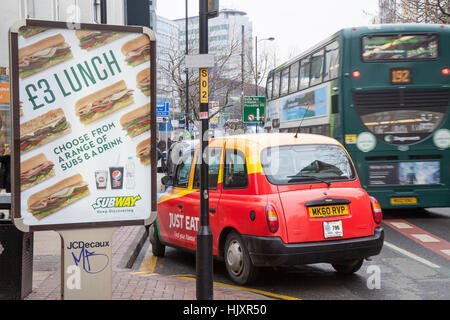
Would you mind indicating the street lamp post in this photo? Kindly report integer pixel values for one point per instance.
(256, 59)
(256, 67)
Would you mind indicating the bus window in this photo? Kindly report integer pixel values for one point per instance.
(304, 74)
(269, 88)
(276, 85)
(316, 68)
(331, 61)
(284, 82)
(293, 82)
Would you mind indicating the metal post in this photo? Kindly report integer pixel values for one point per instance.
(256, 64)
(204, 261)
(103, 12)
(187, 73)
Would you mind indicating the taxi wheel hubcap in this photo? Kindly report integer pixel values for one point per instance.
(235, 257)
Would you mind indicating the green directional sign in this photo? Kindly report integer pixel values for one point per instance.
(254, 109)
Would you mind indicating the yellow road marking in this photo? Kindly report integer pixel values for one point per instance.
(265, 293)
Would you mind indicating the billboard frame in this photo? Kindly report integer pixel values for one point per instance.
(15, 124)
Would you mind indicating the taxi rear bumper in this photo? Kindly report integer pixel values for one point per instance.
(272, 251)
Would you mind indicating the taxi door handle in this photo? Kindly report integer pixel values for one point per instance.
(212, 210)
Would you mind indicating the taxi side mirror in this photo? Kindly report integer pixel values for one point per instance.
(167, 181)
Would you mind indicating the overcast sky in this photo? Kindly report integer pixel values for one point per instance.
(296, 25)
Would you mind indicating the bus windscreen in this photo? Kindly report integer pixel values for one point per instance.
(399, 47)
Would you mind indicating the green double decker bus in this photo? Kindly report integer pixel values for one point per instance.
(383, 91)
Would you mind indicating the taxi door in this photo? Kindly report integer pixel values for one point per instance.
(192, 200)
(171, 206)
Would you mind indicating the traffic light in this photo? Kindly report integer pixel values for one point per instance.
(213, 8)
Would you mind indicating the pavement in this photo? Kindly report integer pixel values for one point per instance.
(127, 283)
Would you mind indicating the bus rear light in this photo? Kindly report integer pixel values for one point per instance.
(272, 218)
(446, 71)
(356, 74)
(376, 210)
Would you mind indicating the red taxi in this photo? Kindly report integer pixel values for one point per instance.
(274, 200)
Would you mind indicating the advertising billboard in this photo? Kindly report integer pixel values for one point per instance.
(83, 121)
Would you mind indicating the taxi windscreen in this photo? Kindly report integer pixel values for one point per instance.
(399, 47)
(298, 164)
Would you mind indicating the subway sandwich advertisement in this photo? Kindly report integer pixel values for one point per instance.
(82, 124)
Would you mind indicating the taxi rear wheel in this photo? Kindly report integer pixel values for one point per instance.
(348, 266)
(237, 260)
(158, 249)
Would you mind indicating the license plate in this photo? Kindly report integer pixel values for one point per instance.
(401, 76)
(332, 229)
(328, 211)
(410, 200)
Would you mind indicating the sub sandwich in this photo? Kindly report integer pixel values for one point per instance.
(43, 129)
(35, 170)
(42, 55)
(104, 102)
(57, 196)
(137, 51)
(136, 121)
(143, 81)
(143, 151)
(93, 39)
(29, 31)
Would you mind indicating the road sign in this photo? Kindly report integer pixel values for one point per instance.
(199, 61)
(162, 109)
(254, 109)
(204, 86)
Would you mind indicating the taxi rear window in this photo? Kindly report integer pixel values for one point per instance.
(399, 47)
(299, 164)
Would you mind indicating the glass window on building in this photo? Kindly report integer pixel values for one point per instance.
(284, 82)
(293, 82)
(304, 73)
(316, 68)
(331, 61)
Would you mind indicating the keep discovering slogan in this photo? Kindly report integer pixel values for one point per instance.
(84, 126)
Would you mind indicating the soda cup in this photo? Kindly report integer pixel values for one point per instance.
(116, 176)
(101, 179)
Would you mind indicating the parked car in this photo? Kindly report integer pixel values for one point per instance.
(275, 200)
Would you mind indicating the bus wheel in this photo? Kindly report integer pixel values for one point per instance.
(348, 266)
(158, 249)
(237, 260)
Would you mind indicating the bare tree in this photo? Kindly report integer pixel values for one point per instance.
(225, 77)
(414, 11)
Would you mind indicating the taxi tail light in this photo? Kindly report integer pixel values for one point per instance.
(356, 74)
(446, 71)
(272, 218)
(376, 210)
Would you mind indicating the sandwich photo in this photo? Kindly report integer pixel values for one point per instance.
(136, 121)
(104, 102)
(29, 31)
(143, 81)
(57, 196)
(143, 151)
(42, 55)
(35, 170)
(137, 51)
(43, 129)
(93, 39)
